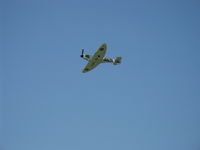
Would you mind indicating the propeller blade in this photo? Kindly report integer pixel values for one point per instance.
(82, 52)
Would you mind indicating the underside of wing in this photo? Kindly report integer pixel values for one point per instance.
(96, 59)
(91, 65)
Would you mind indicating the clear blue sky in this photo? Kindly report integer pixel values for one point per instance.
(149, 102)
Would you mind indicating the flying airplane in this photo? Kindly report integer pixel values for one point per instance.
(98, 58)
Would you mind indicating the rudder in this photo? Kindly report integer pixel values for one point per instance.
(117, 60)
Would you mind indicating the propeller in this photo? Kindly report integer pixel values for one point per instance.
(82, 52)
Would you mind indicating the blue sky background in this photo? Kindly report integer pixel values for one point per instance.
(149, 102)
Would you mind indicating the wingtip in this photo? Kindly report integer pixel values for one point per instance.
(104, 44)
(85, 70)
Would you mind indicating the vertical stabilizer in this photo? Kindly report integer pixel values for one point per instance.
(117, 60)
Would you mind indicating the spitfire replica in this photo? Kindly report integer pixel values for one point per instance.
(98, 58)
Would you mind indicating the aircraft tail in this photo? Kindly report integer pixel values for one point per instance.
(117, 60)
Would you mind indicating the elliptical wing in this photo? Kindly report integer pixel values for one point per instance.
(96, 58)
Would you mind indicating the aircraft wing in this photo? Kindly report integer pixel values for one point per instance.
(96, 58)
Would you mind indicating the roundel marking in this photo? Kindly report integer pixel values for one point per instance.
(101, 49)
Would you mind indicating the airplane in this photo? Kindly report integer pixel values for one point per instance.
(98, 58)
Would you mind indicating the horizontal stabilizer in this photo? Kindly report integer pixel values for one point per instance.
(117, 60)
